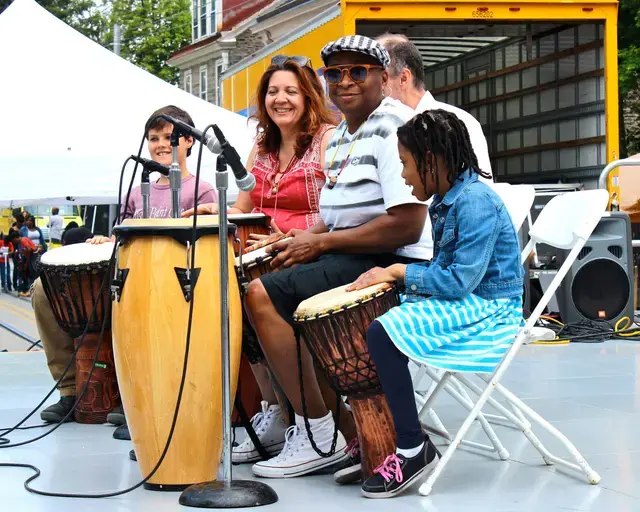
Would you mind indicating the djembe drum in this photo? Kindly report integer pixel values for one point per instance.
(72, 278)
(249, 392)
(150, 320)
(334, 326)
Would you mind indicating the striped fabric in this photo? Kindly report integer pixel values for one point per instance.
(359, 44)
(465, 335)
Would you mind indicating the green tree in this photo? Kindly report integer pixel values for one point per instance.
(83, 15)
(152, 31)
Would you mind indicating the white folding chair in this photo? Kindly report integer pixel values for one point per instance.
(566, 222)
(518, 200)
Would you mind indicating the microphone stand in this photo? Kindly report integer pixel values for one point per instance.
(227, 493)
(175, 175)
(145, 190)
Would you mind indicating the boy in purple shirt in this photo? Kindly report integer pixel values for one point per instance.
(58, 345)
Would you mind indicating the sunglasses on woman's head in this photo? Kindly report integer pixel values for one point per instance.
(300, 60)
(357, 72)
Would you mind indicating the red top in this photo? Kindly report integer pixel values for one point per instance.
(296, 204)
(9, 246)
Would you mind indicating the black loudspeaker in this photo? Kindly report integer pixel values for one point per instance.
(599, 284)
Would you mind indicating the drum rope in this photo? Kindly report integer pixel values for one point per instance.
(108, 278)
(305, 414)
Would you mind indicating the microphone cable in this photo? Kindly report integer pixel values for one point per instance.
(35, 469)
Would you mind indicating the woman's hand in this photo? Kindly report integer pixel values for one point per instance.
(260, 241)
(203, 209)
(378, 275)
(302, 248)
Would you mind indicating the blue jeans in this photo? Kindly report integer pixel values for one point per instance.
(5, 275)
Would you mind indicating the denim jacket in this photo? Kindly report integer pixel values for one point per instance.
(475, 247)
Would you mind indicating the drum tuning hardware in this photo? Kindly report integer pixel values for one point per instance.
(184, 276)
(118, 283)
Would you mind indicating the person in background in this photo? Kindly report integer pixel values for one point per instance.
(58, 345)
(287, 161)
(23, 250)
(6, 253)
(406, 83)
(55, 226)
(33, 233)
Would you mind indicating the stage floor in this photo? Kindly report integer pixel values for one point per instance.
(590, 392)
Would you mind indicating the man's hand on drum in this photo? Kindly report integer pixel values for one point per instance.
(377, 275)
(303, 247)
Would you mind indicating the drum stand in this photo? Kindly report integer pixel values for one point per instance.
(175, 175)
(227, 493)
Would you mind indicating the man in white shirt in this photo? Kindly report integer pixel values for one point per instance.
(55, 226)
(406, 81)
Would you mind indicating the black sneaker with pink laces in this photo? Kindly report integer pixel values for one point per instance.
(351, 471)
(397, 473)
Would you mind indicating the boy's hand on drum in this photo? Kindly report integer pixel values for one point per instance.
(303, 247)
(97, 240)
(378, 275)
(203, 209)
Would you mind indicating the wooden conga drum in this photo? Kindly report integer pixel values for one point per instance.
(150, 319)
(334, 326)
(72, 278)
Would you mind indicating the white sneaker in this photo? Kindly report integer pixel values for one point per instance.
(270, 429)
(298, 457)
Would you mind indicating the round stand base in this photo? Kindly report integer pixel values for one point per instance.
(241, 493)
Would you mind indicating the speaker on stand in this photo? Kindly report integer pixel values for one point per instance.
(599, 284)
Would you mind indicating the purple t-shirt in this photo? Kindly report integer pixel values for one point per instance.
(160, 199)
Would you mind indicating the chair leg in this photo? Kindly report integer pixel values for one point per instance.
(582, 465)
(426, 487)
(461, 396)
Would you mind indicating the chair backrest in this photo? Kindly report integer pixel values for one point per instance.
(568, 217)
(518, 200)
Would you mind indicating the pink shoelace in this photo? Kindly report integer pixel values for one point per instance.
(353, 448)
(391, 468)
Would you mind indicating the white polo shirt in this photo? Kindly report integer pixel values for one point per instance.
(370, 181)
(478, 140)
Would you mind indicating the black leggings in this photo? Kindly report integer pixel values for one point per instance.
(393, 371)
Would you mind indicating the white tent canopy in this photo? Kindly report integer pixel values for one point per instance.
(73, 111)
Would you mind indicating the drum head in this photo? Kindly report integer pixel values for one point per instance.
(77, 254)
(259, 255)
(338, 299)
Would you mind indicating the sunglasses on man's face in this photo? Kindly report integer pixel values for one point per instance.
(357, 72)
(300, 60)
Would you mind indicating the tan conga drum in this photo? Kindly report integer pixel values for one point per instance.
(150, 319)
(75, 278)
(334, 326)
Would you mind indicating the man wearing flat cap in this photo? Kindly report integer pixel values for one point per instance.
(369, 219)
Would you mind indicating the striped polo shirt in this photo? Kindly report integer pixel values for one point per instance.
(370, 182)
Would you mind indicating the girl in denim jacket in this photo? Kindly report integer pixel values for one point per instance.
(463, 308)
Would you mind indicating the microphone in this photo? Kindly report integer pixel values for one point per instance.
(151, 166)
(189, 131)
(218, 144)
(245, 180)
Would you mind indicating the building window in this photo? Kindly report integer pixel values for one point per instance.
(219, 70)
(203, 18)
(203, 83)
(214, 25)
(195, 19)
(187, 81)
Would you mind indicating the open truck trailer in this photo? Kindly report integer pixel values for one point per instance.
(540, 76)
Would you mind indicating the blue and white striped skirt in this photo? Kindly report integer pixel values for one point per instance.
(463, 335)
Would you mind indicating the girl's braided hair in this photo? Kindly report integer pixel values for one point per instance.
(439, 132)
